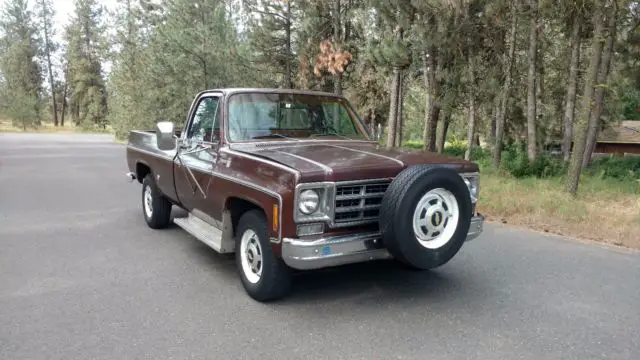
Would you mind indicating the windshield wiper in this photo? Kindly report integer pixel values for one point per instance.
(274, 135)
(331, 133)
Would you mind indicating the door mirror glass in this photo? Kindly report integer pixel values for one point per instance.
(165, 138)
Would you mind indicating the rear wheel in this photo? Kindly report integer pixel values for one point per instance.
(264, 276)
(156, 208)
(425, 216)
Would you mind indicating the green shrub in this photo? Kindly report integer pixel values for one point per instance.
(413, 144)
(616, 167)
(456, 149)
(516, 161)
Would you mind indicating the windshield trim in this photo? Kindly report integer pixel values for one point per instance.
(364, 134)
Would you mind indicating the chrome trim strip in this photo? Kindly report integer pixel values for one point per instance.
(193, 177)
(151, 153)
(332, 251)
(327, 216)
(327, 169)
(363, 181)
(261, 189)
(321, 252)
(363, 220)
(230, 151)
(331, 187)
(232, 179)
(371, 153)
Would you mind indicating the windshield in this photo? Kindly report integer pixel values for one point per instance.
(261, 116)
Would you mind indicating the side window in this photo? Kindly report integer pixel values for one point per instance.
(205, 122)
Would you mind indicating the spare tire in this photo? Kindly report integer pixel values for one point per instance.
(425, 216)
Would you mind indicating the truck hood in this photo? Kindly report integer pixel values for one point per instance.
(341, 161)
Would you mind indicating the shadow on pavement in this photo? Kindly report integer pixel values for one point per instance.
(382, 280)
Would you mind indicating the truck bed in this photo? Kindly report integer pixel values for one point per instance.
(145, 141)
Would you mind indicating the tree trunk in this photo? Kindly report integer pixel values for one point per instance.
(432, 108)
(471, 126)
(399, 117)
(494, 115)
(442, 136)
(47, 44)
(393, 108)
(337, 78)
(531, 82)
(288, 83)
(570, 105)
(506, 88)
(575, 166)
(64, 96)
(603, 75)
(373, 123)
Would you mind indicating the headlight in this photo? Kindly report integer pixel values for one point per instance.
(313, 202)
(309, 202)
(473, 183)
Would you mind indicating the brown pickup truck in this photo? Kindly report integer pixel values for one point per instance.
(291, 179)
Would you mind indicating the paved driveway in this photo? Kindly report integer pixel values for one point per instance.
(82, 277)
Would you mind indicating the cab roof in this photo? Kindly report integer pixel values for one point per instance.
(230, 91)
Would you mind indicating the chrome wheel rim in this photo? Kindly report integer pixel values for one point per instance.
(148, 201)
(435, 218)
(251, 256)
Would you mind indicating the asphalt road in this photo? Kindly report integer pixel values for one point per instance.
(83, 277)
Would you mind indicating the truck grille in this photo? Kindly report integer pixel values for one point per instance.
(359, 203)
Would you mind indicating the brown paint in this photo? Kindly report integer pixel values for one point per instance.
(278, 166)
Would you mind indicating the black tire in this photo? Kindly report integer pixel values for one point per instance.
(275, 280)
(397, 211)
(160, 216)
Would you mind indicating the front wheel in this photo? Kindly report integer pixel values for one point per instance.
(264, 276)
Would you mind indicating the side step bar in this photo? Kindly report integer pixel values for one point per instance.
(205, 232)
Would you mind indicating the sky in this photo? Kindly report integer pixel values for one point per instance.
(64, 9)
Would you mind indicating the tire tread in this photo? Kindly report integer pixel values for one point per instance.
(161, 216)
(394, 228)
(276, 278)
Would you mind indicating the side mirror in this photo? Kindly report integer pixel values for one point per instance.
(165, 137)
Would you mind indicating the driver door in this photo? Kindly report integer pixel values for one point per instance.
(197, 156)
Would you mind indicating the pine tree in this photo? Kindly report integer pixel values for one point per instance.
(532, 114)
(393, 51)
(45, 14)
(19, 47)
(575, 166)
(271, 35)
(127, 79)
(166, 53)
(86, 47)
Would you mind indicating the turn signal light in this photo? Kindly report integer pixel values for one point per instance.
(276, 220)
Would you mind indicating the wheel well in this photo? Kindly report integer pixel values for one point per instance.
(237, 207)
(141, 171)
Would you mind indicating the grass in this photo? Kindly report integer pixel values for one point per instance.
(47, 127)
(605, 210)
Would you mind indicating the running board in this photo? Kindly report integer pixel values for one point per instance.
(205, 232)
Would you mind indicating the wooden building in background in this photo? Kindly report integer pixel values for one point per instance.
(620, 140)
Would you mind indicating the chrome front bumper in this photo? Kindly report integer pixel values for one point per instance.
(346, 249)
